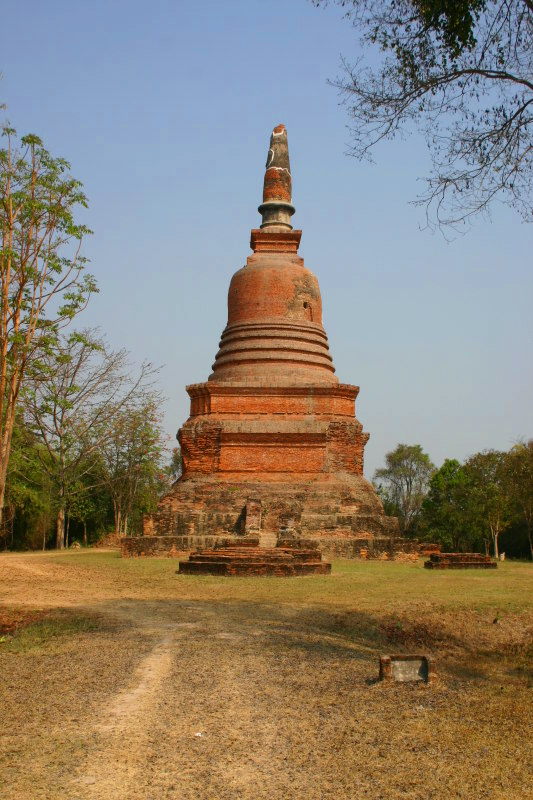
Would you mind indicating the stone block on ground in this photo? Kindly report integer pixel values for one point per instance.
(406, 668)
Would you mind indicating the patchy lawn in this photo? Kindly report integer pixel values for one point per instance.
(124, 680)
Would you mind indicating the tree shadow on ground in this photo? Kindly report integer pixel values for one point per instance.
(315, 633)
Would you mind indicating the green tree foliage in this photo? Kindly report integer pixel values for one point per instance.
(403, 483)
(447, 513)
(489, 497)
(130, 458)
(475, 502)
(77, 405)
(28, 509)
(87, 505)
(461, 72)
(92, 497)
(518, 480)
(175, 467)
(43, 284)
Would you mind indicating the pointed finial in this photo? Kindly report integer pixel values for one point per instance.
(276, 208)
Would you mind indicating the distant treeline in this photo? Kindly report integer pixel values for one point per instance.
(81, 445)
(88, 453)
(484, 504)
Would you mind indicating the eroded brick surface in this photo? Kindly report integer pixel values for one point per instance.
(459, 561)
(172, 546)
(272, 427)
(255, 561)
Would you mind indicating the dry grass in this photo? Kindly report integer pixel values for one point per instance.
(113, 666)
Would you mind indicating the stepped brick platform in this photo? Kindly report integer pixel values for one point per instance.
(459, 561)
(331, 544)
(338, 514)
(251, 560)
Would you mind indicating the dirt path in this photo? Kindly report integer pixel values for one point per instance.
(208, 700)
(202, 716)
(126, 717)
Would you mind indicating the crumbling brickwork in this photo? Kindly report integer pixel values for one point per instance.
(200, 446)
(255, 561)
(273, 425)
(459, 561)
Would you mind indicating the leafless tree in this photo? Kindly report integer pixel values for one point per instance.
(83, 388)
(129, 458)
(460, 72)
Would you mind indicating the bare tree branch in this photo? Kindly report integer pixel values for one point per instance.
(462, 74)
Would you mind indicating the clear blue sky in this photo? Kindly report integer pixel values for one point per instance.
(165, 109)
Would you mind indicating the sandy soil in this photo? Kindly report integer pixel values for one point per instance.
(181, 698)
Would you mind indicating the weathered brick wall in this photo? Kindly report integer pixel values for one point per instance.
(345, 447)
(243, 401)
(330, 547)
(347, 547)
(255, 561)
(268, 456)
(249, 399)
(200, 446)
(460, 561)
(241, 446)
(169, 546)
(203, 507)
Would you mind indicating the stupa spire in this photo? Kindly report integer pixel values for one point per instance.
(276, 208)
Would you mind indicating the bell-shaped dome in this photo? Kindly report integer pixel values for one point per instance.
(274, 332)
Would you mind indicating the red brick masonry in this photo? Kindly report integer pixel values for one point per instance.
(272, 445)
(255, 561)
(460, 561)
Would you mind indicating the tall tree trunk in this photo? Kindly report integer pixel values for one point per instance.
(6, 431)
(84, 533)
(60, 528)
(117, 515)
(4, 459)
(67, 529)
(495, 534)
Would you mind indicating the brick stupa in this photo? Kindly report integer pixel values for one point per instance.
(272, 449)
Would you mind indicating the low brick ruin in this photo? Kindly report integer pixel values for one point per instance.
(169, 546)
(352, 544)
(459, 561)
(255, 561)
